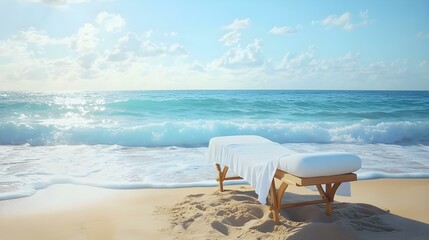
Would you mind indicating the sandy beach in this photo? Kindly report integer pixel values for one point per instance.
(378, 209)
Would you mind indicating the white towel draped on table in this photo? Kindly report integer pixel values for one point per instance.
(256, 160)
(253, 158)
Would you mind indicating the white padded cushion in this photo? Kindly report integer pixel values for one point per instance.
(319, 164)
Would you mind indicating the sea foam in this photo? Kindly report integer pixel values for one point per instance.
(29, 169)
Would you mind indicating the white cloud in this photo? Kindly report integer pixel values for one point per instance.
(127, 46)
(233, 36)
(150, 49)
(171, 34)
(177, 49)
(130, 42)
(197, 67)
(230, 38)
(292, 62)
(148, 33)
(137, 46)
(334, 20)
(307, 70)
(345, 20)
(35, 60)
(238, 57)
(41, 38)
(239, 67)
(30, 42)
(86, 38)
(423, 35)
(364, 14)
(117, 55)
(281, 30)
(238, 24)
(13, 48)
(87, 60)
(111, 22)
(55, 2)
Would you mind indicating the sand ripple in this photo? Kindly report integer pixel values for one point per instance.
(236, 214)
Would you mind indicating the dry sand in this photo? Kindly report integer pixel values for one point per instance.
(378, 209)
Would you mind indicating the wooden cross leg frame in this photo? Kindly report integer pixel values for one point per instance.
(275, 195)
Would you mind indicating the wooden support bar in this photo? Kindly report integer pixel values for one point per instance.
(321, 191)
(224, 172)
(300, 181)
(218, 167)
(289, 205)
(233, 178)
(222, 176)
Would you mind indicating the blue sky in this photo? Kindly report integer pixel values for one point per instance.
(62, 45)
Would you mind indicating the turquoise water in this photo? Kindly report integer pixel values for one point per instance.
(159, 138)
(191, 118)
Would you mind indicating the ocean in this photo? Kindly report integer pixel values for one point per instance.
(159, 139)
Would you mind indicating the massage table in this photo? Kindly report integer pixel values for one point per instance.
(260, 162)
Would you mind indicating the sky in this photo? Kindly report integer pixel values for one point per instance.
(72, 45)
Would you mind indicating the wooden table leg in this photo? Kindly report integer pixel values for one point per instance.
(274, 205)
(220, 177)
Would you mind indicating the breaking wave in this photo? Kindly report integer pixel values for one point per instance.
(197, 133)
